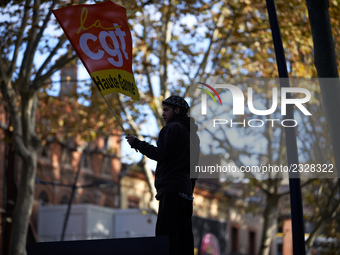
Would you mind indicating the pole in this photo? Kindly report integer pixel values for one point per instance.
(327, 68)
(116, 118)
(74, 188)
(292, 153)
(115, 115)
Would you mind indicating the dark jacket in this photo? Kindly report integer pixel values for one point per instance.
(174, 145)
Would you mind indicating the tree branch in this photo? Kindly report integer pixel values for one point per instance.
(44, 25)
(37, 78)
(19, 40)
(2, 71)
(164, 51)
(11, 99)
(38, 82)
(27, 62)
(144, 166)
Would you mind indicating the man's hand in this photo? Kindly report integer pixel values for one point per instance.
(130, 138)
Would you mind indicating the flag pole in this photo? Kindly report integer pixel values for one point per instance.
(115, 115)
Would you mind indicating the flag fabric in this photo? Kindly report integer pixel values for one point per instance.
(101, 37)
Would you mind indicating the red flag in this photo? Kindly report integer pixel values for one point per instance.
(100, 35)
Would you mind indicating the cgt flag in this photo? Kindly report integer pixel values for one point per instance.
(100, 35)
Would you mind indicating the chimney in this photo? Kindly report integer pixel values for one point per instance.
(68, 78)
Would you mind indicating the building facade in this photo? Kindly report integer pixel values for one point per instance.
(78, 172)
(103, 180)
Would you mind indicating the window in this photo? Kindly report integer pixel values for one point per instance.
(234, 240)
(86, 201)
(43, 198)
(45, 150)
(106, 169)
(64, 200)
(133, 202)
(66, 155)
(86, 159)
(252, 243)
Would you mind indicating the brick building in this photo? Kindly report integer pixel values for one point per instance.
(59, 160)
(103, 180)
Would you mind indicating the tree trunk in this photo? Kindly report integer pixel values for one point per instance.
(153, 204)
(269, 224)
(24, 203)
(328, 211)
(26, 145)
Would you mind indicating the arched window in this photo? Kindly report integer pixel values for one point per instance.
(86, 201)
(43, 198)
(64, 200)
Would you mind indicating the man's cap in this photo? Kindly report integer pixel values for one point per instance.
(177, 101)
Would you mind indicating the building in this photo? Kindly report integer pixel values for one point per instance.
(60, 159)
(104, 181)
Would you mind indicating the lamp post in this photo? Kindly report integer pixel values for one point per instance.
(74, 187)
(292, 152)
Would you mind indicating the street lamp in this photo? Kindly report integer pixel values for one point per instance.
(74, 186)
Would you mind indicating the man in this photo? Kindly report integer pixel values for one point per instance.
(177, 146)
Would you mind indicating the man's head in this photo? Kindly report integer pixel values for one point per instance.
(174, 107)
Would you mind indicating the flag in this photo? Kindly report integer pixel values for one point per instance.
(100, 35)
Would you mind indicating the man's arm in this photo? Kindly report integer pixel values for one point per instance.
(145, 148)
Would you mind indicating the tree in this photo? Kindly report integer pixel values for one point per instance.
(176, 44)
(22, 37)
(25, 38)
(298, 47)
(324, 206)
(160, 47)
